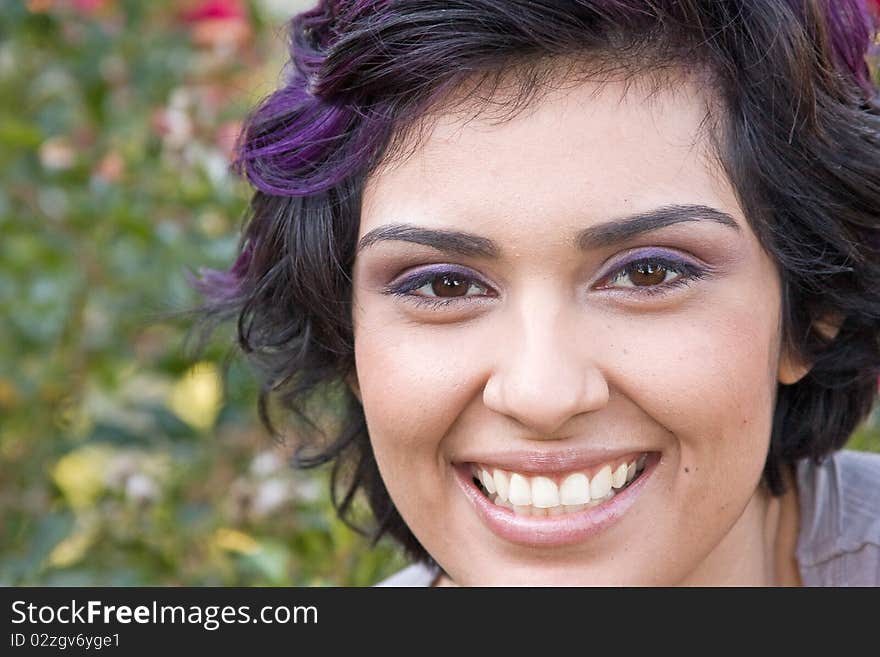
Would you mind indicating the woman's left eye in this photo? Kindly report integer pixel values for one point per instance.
(653, 275)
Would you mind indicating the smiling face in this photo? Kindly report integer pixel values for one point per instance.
(551, 300)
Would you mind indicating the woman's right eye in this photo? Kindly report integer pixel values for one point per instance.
(439, 288)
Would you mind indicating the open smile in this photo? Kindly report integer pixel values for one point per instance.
(555, 508)
(557, 494)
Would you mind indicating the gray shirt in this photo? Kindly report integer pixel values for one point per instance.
(839, 536)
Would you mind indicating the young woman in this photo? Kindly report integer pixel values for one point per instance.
(596, 281)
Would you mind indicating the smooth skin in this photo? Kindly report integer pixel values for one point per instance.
(541, 351)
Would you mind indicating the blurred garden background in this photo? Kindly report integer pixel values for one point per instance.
(124, 460)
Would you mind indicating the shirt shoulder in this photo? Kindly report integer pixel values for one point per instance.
(417, 574)
(839, 536)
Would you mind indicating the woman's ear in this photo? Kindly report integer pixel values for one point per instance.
(352, 381)
(791, 368)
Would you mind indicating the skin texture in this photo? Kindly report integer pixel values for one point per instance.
(543, 357)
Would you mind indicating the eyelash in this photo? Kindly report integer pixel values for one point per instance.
(687, 274)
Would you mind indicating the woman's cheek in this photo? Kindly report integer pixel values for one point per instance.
(411, 384)
(711, 388)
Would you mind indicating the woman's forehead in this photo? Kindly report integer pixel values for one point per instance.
(603, 149)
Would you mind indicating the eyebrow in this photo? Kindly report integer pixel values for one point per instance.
(602, 235)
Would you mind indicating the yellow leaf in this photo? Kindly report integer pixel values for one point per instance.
(233, 540)
(79, 475)
(71, 549)
(197, 397)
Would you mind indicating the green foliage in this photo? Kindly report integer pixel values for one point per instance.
(121, 461)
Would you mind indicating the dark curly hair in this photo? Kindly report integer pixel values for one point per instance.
(797, 130)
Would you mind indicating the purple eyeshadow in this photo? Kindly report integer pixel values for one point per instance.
(426, 274)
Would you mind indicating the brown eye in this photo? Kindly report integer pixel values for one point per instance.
(648, 273)
(450, 285)
(444, 287)
(651, 274)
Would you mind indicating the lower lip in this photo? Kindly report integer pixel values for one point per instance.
(551, 531)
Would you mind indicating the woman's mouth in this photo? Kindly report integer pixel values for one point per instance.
(530, 495)
(545, 505)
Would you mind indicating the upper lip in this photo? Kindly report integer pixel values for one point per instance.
(551, 462)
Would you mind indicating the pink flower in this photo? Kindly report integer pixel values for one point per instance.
(209, 10)
(218, 23)
(226, 136)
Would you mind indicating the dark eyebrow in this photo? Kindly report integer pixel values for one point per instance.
(459, 243)
(452, 242)
(613, 232)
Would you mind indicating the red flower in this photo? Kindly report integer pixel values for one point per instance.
(218, 23)
(213, 10)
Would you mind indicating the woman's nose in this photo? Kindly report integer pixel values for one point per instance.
(543, 376)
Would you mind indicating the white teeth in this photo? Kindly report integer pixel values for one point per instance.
(487, 480)
(600, 484)
(519, 493)
(541, 496)
(544, 493)
(575, 489)
(502, 483)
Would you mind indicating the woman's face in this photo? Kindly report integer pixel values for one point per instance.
(572, 303)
